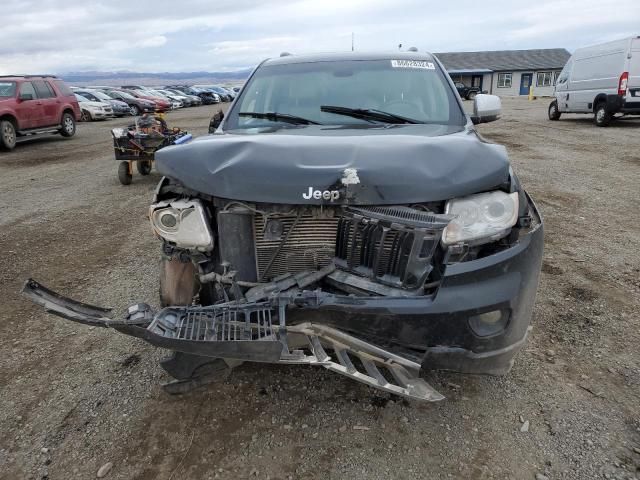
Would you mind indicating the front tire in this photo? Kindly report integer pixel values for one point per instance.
(86, 116)
(471, 95)
(554, 112)
(8, 135)
(68, 125)
(124, 175)
(135, 110)
(602, 117)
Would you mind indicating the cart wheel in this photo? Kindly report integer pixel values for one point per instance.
(144, 167)
(124, 173)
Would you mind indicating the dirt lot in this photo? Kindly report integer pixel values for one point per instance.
(73, 398)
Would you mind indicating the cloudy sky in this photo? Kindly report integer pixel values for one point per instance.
(204, 35)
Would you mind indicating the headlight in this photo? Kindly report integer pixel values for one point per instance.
(182, 222)
(480, 218)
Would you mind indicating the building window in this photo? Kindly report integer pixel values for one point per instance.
(504, 80)
(556, 74)
(545, 79)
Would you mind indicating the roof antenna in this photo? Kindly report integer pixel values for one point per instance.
(285, 54)
(413, 49)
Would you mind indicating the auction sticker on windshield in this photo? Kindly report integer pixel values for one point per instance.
(413, 64)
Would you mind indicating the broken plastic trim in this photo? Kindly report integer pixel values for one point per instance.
(252, 331)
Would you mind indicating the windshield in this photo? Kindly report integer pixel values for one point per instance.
(102, 96)
(80, 98)
(416, 90)
(7, 89)
(126, 95)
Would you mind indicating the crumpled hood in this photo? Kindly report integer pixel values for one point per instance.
(338, 165)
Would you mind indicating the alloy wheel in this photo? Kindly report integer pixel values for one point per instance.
(68, 124)
(8, 134)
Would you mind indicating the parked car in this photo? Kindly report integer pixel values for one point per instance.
(31, 105)
(178, 98)
(346, 214)
(229, 91)
(162, 104)
(602, 80)
(193, 99)
(173, 103)
(465, 92)
(133, 87)
(137, 106)
(224, 96)
(207, 97)
(120, 108)
(92, 111)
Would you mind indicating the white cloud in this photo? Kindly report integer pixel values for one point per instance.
(200, 35)
(156, 41)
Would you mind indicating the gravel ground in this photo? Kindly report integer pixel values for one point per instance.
(74, 399)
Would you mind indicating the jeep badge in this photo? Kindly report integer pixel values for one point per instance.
(319, 194)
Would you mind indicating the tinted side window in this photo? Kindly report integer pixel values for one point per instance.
(62, 88)
(42, 89)
(52, 91)
(27, 89)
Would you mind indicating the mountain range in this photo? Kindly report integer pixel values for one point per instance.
(161, 78)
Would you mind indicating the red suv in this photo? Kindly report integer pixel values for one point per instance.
(35, 104)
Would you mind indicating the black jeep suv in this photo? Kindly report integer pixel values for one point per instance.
(345, 213)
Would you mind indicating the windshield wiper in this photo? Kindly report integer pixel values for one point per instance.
(368, 114)
(279, 117)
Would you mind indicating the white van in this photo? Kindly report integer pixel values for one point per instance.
(601, 80)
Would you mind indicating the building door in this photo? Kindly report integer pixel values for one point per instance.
(476, 81)
(525, 83)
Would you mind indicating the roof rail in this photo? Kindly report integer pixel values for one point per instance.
(285, 54)
(413, 49)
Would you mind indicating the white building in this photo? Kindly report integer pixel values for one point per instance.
(507, 72)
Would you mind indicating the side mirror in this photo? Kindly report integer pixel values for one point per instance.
(215, 122)
(486, 108)
(25, 96)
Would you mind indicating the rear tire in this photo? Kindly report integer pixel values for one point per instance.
(602, 117)
(144, 167)
(123, 173)
(68, 125)
(7, 135)
(554, 112)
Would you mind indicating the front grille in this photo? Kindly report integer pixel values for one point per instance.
(390, 245)
(309, 246)
(215, 323)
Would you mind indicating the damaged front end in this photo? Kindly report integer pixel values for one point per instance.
(369, 292)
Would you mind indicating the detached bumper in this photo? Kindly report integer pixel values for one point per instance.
(254, 332)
